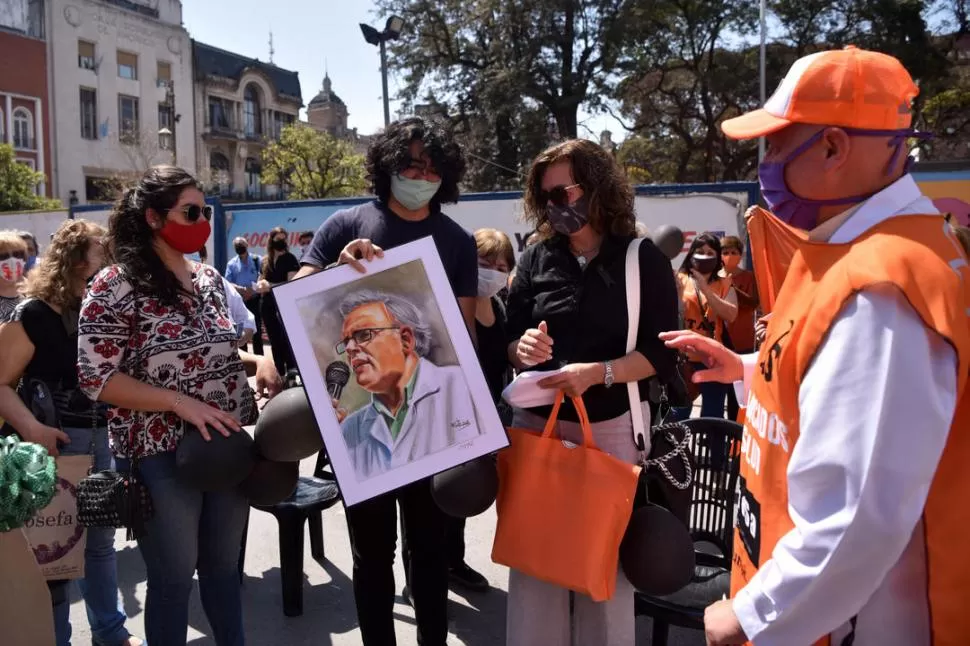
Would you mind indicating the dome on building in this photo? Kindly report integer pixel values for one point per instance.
(325, 96)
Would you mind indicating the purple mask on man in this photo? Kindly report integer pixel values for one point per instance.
(802, 212)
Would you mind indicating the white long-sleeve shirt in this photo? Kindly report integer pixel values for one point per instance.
(875, 409)
(241, 316)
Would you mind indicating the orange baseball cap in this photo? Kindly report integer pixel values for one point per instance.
(851, 87)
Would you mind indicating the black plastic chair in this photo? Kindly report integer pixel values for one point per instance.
(306, 505)
(712, 512)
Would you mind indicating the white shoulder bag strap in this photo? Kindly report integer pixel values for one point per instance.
(633, 323)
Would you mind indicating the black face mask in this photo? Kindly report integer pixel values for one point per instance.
(240, 250)
(279, 245)
(704, 265)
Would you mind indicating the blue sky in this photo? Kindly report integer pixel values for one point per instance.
(311, 36)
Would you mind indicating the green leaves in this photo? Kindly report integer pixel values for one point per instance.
(313, 165)
(17, 184)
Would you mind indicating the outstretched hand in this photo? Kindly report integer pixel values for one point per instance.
(723, 365)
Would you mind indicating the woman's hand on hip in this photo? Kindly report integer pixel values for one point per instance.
(201, 415)
(574, 379)
(535, 346)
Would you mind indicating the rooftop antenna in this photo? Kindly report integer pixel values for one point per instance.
(271, 50)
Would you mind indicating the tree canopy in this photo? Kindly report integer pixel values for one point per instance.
(18, 183)
(313, 164)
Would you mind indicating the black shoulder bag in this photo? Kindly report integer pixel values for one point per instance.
(113, 499)
(668, 470)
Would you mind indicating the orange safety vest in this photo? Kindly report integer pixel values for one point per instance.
(918, 255)
(693, 315)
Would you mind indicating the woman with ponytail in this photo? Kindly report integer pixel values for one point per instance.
(157, 344)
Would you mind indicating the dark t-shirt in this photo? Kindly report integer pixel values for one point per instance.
(276, 274)
(383, 227)
(284, 265)
(55, 361)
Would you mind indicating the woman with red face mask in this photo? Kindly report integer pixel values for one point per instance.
(13, 259)
(157, 344)
(741, 329)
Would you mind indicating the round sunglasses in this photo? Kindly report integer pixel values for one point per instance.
(558, 195)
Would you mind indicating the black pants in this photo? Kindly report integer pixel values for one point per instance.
(373, 539)
(282, 354)
(254, 306)
(455, 537)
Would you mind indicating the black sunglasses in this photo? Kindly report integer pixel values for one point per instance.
(194, 211)
(4, 255)
(558, 195)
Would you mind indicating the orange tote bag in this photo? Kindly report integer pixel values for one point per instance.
(563, 509)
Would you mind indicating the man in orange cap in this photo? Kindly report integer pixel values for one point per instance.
(853, 488)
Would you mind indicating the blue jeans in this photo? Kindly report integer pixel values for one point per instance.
(99, 587)
(190, 529)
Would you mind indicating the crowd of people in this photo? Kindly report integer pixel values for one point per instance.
(140, 345)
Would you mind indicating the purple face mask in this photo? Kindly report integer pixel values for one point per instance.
(802, 212)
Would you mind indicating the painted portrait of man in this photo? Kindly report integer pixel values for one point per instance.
(416, 408)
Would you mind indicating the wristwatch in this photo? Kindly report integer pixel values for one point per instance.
(608, 380)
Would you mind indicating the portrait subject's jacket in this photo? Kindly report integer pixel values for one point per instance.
(439, 414)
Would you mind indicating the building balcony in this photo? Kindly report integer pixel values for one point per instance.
(221, 131)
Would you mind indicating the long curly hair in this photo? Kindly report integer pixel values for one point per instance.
(131, 239)
(388, 155)
(56, 278)
(602, 180)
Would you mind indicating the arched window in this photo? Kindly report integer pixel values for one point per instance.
(253, 170)
(251, 121)
(23, 129)
(221, 174)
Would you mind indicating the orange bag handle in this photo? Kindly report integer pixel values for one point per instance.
(584, 422)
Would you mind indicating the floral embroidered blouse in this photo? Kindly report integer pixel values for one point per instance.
(190, 350)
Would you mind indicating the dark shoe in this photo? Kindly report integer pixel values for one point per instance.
(466, 577)
(408, 599)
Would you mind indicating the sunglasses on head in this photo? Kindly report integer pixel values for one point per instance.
(4, 255)
(194, 211)
(558, 195)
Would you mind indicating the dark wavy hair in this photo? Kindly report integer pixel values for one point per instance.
(388, 155)
(712, 241)
(131, 239)
(602, 180)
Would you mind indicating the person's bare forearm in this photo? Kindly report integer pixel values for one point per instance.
(123, 391)
(12, 410)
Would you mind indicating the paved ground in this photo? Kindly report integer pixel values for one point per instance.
(329, 619)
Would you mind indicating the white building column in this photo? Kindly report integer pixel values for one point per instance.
(39, 140)
(9, 118)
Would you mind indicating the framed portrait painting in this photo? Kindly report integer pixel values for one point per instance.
(390, 370)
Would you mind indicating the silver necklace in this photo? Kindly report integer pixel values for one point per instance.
(581, 255)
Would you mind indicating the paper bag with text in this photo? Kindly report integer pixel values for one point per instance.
(25, 601)
(55, 535)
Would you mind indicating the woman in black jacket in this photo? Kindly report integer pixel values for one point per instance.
(567, 311)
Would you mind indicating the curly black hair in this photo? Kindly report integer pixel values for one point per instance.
(388, 155)
(131, 239)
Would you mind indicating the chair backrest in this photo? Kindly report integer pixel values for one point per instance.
(716, 445)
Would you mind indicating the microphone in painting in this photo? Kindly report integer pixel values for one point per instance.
(337, 375)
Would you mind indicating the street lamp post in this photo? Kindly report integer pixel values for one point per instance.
(392, 30)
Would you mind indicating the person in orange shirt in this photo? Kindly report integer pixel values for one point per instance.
(741, 329)
(708, 301)
(852, 504)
